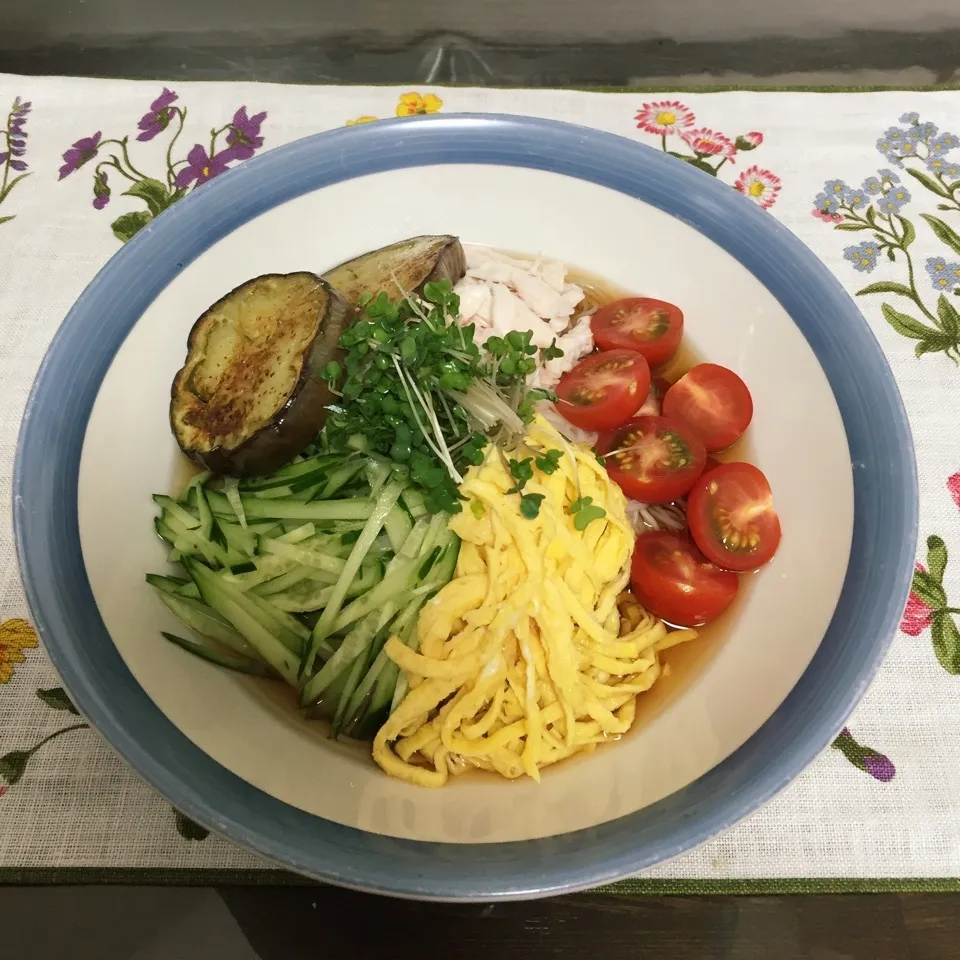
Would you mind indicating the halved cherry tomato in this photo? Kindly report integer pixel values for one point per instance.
(604, 390)
(653, 327)
(653, 405)
(675, 582)
(714, 401)
(732, 518)
(653, 459)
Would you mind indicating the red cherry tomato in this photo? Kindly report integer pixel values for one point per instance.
(674, 581)
(714, 401)
(653, 459)
(653, 327)
(604, 390)
(732, 518)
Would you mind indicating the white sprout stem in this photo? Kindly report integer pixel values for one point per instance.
(413, 407)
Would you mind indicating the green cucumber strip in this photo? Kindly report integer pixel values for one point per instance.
(290, 473)
(273, 620)
(166, 584)
(315, 600)
(302, 554)
(349, 509)
(398, 581)
(174, 556)
(304, 532)
(377, 473)
(230, 603)
(238, 538)
(339, 477)
(325, 625)
(283, 582)
(413, 501)
(231, 489)
(205, 650)
(189, 494)
(354, 644)
(354, 675)
(207, 622)
(206, 514)
(170, 506)
(356, 708)
(398, 526)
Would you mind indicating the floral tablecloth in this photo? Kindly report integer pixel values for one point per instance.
(869, 181)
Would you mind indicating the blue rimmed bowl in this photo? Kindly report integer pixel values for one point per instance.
(763, 701)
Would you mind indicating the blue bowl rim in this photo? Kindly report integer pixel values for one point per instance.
(873, 596)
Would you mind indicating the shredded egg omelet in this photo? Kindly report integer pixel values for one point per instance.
(520, 660)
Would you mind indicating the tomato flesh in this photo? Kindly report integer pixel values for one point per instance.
(604, 390)
(714, 401)
(732, 518)
(652, 327)
(675, 582)
(653, 459)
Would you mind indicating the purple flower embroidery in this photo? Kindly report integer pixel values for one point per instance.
(202, 167)
(101, 192)
(13, 139)
(243, 137)
(864, 758)
(82, 151)
(159, 116)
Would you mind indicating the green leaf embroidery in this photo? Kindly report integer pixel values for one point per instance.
(943, 232)
(936, 558)
(907, 326)
(909, 232)
(153, 193)
(949, 318)
(928, 182)
(938, 343)
(130, 224)
(872, 216)
(188, 829)
(946, 642)
(852, 226)
(56, 697)
(929, 590)
(13, 765)
(7, 219)
(887, 286)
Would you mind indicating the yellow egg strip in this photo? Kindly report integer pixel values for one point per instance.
(520, 663)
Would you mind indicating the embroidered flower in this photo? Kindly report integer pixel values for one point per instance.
(82, 151)
(705, 142)
(664, 117)
(944, 144)
(863, 256)
(953, 485)
(15, 637)
(827, 217)
(101, 192)
(827, 203)
(871, 761)
(893, 200)
(759, 185)
(413, 104)
(202, 167)
(918, 615)
(157, 119)
(243, 137)
(910, 118)
(363, 119)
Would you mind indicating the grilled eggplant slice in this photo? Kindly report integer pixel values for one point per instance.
(399, 269)
(250, 396)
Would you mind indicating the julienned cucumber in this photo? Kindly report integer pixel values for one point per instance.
(304, 575)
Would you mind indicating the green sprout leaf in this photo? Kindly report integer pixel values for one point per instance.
(584, 512)
(530, 505)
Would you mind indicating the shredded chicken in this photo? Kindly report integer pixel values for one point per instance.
(500, 293)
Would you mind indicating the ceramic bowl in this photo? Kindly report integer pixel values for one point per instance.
(734, 724)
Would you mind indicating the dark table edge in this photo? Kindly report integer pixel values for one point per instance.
(160, 876)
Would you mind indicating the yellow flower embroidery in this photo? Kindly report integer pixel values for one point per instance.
(363, 119)
(15, 637)
(412, 104)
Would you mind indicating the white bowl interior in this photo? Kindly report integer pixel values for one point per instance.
(712, 703)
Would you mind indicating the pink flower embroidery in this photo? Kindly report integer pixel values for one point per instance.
(827, 217)
(668, 116)
(709, 143)
(918, 615)
(953, 485)
(3, 789)
(759, 185)
(754, 137)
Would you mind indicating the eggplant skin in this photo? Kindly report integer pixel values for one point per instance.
(400, 268)
(250, 396)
